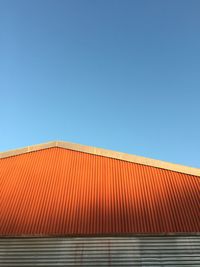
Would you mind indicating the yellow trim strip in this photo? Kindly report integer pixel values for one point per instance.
(105, 153)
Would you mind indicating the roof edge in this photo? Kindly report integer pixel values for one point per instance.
(105, 153)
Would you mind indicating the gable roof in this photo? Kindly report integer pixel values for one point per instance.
(66, 189)
(105, 153)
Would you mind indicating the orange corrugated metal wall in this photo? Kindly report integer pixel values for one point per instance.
(57, 191)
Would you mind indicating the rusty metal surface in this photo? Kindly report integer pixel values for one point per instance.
(57, 191)
(125, 251)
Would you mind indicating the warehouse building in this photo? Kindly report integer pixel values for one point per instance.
(64, 204)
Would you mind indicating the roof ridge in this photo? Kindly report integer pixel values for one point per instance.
(105, 153)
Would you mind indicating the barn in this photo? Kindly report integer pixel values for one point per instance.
(64, 204)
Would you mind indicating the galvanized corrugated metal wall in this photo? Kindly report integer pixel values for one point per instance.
(107, 251)
(63, 192)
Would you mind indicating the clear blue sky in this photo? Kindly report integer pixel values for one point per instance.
(123, 75)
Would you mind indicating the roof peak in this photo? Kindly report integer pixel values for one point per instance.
(105, 153)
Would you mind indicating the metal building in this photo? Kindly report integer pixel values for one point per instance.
(63, 204)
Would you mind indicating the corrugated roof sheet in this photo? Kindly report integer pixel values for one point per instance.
(58, 191)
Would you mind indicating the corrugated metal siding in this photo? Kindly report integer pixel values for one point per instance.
(63, 192)
(124, 251)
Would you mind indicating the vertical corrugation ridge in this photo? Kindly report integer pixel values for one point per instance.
(64, 192)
